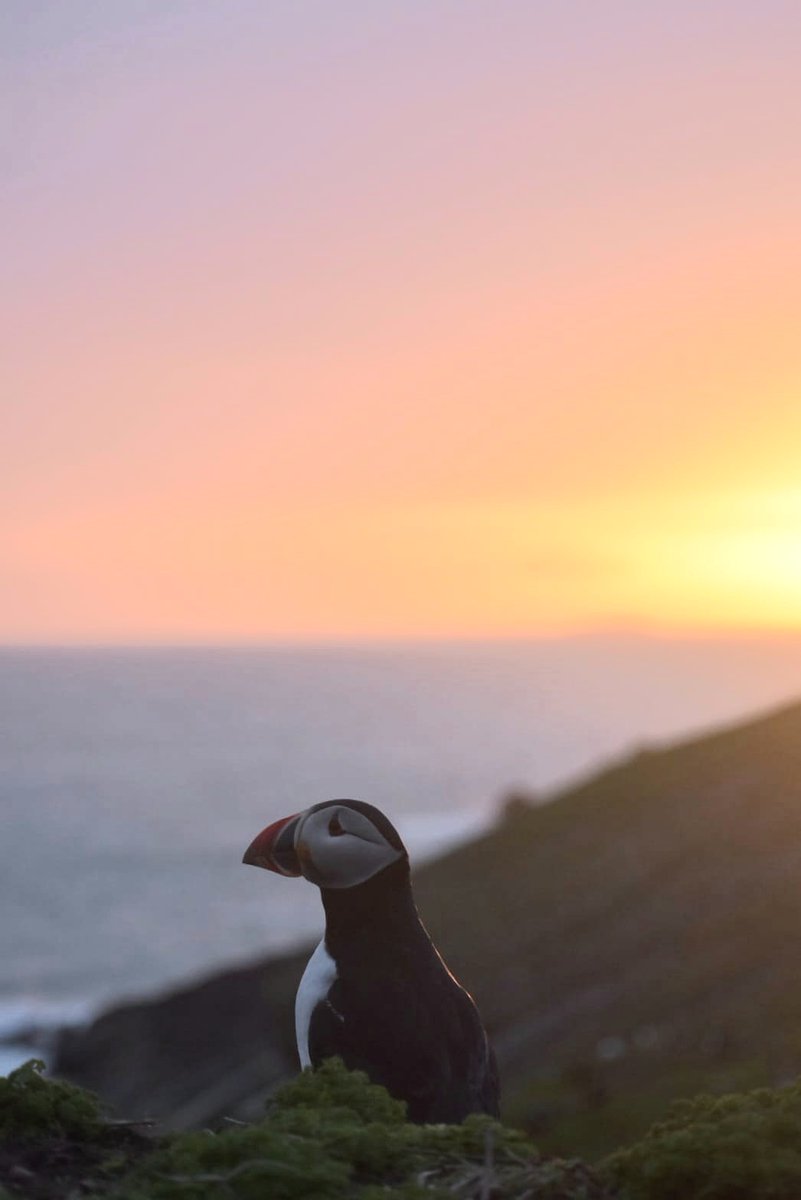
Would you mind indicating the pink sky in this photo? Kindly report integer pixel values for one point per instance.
(399, 318)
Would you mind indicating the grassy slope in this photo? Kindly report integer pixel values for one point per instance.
(652, 914)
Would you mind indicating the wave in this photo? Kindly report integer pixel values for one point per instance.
(28, 1019)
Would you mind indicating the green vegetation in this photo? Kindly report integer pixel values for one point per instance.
(54, 1139)
(739, 1147)
(31, 1105)
(332, 1135)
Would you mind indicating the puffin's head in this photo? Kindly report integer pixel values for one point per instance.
(337, 844)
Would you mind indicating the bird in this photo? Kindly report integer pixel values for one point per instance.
(376, 992)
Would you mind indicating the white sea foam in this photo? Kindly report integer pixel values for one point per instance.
(27, 1024)
(21, 1014)
(13, 1055)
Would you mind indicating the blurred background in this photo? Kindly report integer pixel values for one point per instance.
(399, 401)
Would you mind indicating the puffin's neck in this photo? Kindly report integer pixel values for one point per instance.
(374, 916)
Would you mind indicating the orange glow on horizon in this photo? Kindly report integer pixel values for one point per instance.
(459, 570)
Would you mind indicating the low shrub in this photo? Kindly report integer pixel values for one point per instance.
(31, 1105)
(329, 1134)
(738, 1147)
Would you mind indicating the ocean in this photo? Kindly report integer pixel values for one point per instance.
(131, 780)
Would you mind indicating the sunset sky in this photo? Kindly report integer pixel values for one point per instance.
(399, 318)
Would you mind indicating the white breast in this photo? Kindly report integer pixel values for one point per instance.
(320, 973)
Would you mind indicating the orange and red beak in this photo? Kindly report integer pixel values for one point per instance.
(274, 848)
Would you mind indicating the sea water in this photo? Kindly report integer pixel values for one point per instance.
(131, 780)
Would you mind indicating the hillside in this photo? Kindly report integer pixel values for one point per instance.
(634, 939)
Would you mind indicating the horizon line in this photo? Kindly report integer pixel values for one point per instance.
(655, 633)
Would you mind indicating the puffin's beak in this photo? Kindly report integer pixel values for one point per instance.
(274, 848)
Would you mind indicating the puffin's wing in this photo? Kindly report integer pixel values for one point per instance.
(384, 1041)
(435, 1056)
(364, 1041)
(485, 1081)
(471, 1057)
(327, 1033)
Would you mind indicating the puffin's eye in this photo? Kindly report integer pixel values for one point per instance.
(334, 827)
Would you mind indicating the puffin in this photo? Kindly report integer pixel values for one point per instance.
(376, 992)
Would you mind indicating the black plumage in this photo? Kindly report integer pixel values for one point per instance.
(394, 1009)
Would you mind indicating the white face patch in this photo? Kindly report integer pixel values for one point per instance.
(320, 973)
(339, 847)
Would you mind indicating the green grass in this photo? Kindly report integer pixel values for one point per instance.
(31, 1105)
(327, 1135)
(332, 1135)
